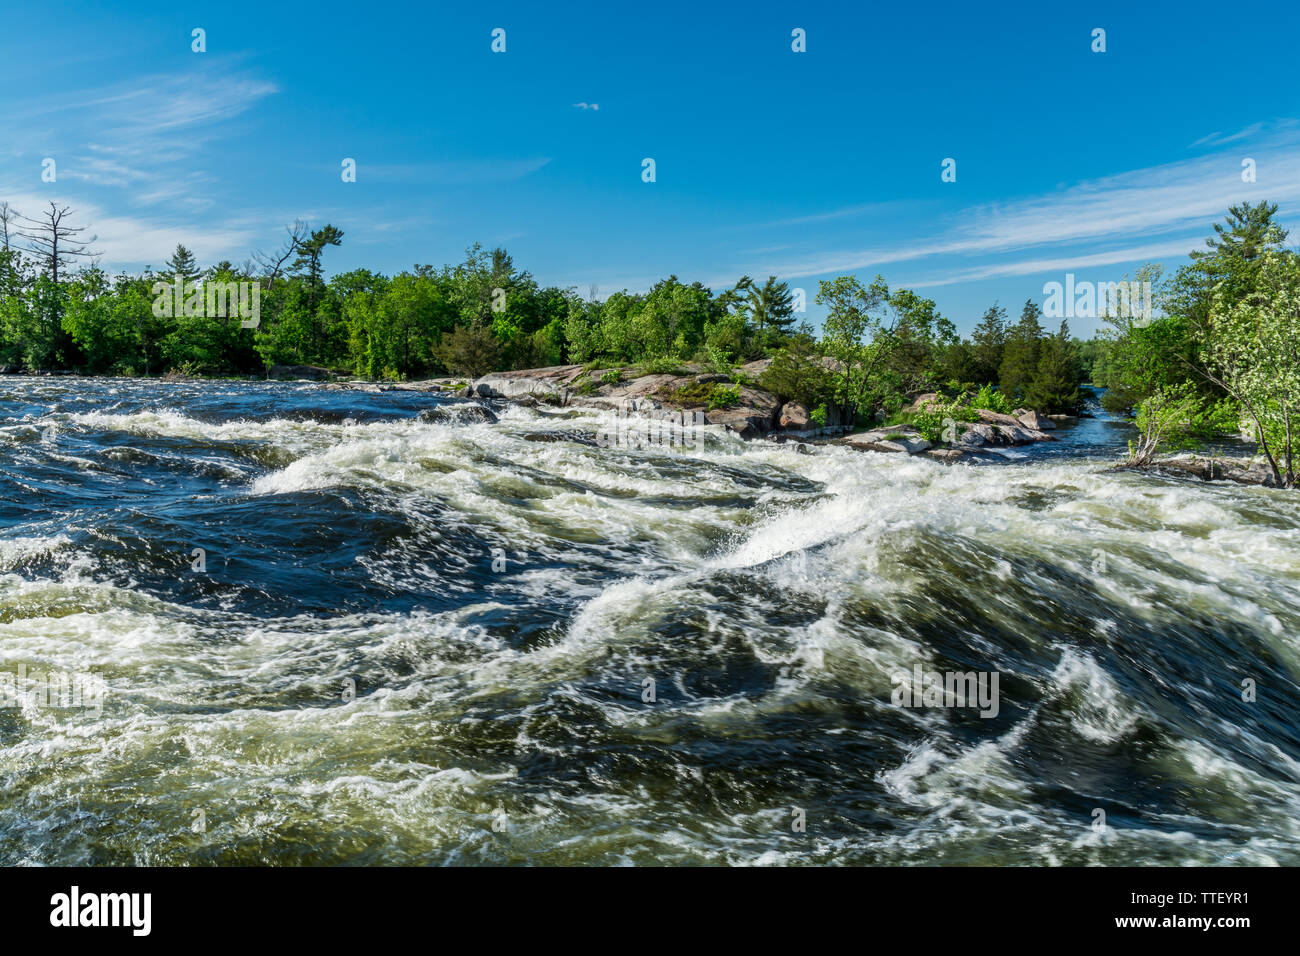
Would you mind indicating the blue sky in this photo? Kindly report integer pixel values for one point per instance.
(805, 165)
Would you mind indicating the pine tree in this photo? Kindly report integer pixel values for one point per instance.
(1248, 231)
(769, 308)
(989, 340)
(1054, 388)
(1020, 356)
(182, 265)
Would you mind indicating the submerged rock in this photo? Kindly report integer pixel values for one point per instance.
(311, 373)
(578, 438)
(946, 455)
(458, 413)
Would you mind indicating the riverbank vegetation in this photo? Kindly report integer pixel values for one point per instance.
(1220, 352)
(1223, 355)
(879, 344)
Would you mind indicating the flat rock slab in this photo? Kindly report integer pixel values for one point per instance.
(1218, 469)
(887, 439)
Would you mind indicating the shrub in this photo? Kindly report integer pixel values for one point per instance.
(934, 421)
(797, 375)
(662, 365)
(712, 394)
(990, 399)
(724, 396)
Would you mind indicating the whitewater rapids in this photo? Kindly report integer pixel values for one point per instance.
(419, 642)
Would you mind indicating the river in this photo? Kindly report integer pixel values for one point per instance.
(313, 628)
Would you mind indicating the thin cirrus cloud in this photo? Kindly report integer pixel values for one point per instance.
(1219, 139)
(132, 117)
(1152, 252)
(132, 134)
(129, 241)
(1145, 204)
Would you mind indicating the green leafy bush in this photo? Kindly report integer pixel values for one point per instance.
(990, 399)
(935, 421)
(724, 396)
(662, 365)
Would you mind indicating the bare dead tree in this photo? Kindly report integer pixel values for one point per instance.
(8, 215)
(272, 265)
(54, 242)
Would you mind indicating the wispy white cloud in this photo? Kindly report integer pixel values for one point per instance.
(131, 241)
(1218, 139)
(1160, 201)
(1152, 252)
(146, 116)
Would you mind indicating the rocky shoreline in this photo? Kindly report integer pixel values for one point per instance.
(748, 411)
(754, 414)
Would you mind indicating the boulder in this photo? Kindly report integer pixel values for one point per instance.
(977, 436)
(888, 439)
(924, 401)
(1031, 419)
(1218, 469)
(912, 446)
(636, 388)
(745, 422)
(545, 383)
(794, 416)
(754, 414)
(1020, 435)
(997, 418)
(763, 402)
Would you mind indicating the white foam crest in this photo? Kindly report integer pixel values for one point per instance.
(1105, 715)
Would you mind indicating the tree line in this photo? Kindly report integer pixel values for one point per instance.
(59, 310)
